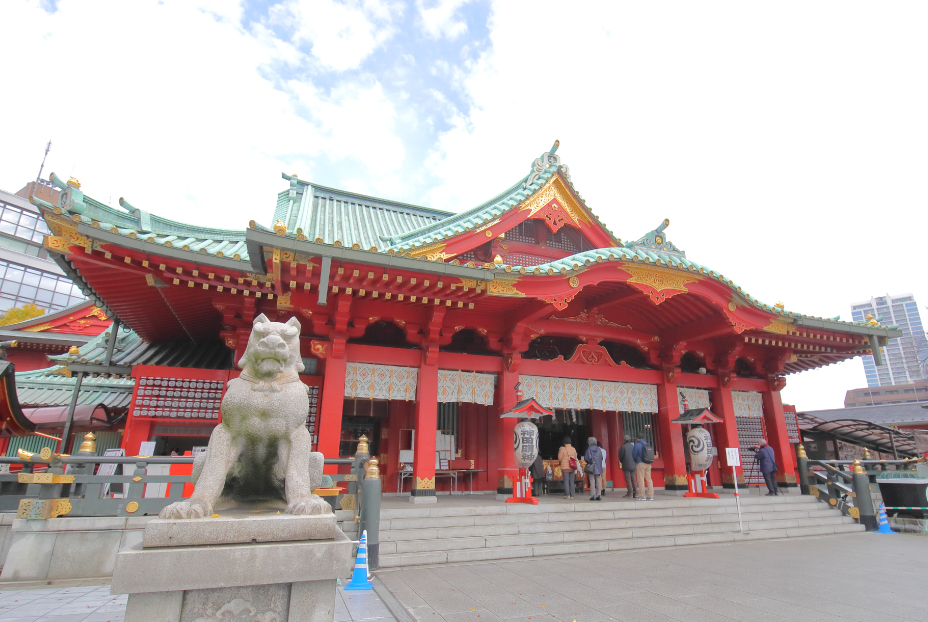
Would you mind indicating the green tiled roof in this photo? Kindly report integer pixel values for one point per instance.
(138, 224)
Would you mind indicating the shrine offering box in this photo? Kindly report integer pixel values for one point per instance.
(458, 463)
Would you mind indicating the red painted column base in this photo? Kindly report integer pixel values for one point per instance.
(698, 483)
(522, 489)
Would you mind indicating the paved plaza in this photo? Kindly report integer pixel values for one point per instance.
(862, 577)
(96, 604)
(859, 577)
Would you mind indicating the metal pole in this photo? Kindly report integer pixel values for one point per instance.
(892, 440)
(862, 499)
(734, 477)
(803, 466)
(371, 490)
(112, 344)
(63, 446)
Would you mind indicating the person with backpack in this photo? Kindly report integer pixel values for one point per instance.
(643, 455)
(767, 463)
(627, 462)
(594, 467)
(567, 456)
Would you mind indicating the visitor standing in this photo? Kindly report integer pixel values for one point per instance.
(767, 463)
(594, 458)
(538, 476)
(627, 462)
(644, 456)
(603, 487)
(567, 456)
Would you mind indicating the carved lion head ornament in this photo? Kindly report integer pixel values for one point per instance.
(273, 348)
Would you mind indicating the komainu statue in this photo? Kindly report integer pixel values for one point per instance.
(262, 450)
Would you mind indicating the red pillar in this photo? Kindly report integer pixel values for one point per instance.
(423, 466)
(613, 445)
(333, 401)
(726, 433)
(507, 470)
(137, 432)
(777, 438)
(670, 434)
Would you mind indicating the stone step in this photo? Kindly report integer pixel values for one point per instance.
(530, 548)
(574, 512)
(502, 509)
(604, 533)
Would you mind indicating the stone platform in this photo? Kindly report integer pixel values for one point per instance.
(218, 568)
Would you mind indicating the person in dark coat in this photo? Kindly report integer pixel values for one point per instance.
(537, 471)
(767, 463)
(594, 457)
(627, 461)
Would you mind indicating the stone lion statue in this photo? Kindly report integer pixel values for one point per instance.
(262, 450)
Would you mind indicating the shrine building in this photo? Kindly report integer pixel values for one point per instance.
(421, 326)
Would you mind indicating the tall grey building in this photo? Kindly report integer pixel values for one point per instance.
(903, 358)
(27, 274)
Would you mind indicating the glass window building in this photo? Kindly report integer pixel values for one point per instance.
(905, 358)
(27, 274)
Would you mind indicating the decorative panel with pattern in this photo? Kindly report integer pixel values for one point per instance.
(465, 386)
(381, 382)
(748, 404)
(592, 394)
(695, 398)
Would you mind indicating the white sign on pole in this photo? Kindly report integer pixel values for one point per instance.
(733, 455)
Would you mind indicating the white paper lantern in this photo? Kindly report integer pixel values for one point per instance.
(525, 443)
(699, 442)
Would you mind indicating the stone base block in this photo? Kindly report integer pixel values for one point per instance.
(423, 499)
(264, 581)
(238, 529)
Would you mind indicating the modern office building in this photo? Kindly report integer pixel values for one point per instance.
(891, 394)
(27, 273)
(903, 358)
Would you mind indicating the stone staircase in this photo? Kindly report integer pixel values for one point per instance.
(438, 535)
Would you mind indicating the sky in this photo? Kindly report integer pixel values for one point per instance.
(786, 142)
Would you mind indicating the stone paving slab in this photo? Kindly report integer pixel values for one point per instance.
(859, 576)
(94, 603)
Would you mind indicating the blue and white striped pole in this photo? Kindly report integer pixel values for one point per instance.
(359, 581)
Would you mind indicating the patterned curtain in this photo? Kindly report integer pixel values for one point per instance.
(748, 404)
(592, 394)
(381, 382)
(465, 386)
(695, 398)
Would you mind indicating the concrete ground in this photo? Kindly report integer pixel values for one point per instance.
(860, 577)
(95, 604)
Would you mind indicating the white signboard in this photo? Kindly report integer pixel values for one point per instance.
(110, 469)
(733, 455)
(147, 448)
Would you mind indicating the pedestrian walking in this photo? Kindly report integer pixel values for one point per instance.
(567, 456)
(767, 463)
(627, 462)
(594, 461)
(538, 476)
(643, 455)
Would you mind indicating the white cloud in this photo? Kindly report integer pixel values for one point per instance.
(342, 34)
(177, 115)
(442, 19)
(783, 142)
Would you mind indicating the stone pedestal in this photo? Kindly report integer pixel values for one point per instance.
(261, 568)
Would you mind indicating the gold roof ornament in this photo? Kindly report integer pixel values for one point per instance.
(779, 306)
(74, 183)
(89, 445)
(373, 469)
(280, 228)
(74, 351)
(497, 260)
(871, 321)
(363, 447)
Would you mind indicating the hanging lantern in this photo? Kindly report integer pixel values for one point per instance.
(699, 442)
(525, 443)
